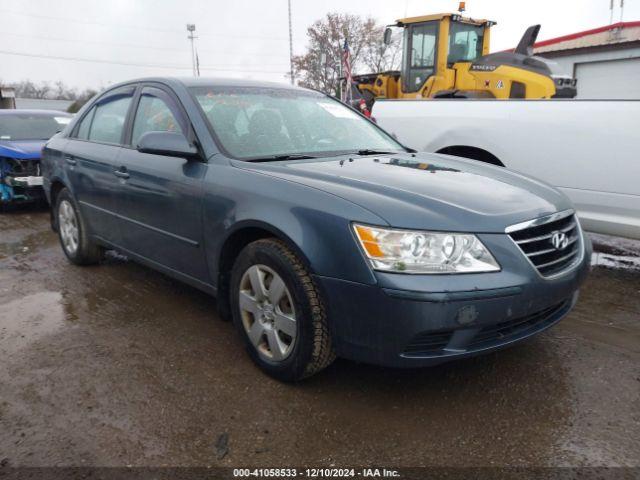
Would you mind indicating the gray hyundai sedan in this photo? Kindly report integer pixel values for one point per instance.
(318, 232)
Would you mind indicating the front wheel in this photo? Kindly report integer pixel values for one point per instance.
(74, 238)
(279, 312)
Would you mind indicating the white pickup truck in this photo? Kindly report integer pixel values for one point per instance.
(589, 149)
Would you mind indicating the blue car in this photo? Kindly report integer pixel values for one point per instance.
(23, 133)
(320, 234)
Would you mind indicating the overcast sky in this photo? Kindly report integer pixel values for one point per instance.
(92, 43)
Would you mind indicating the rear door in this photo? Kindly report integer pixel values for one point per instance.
(90, 161)
(161, 201)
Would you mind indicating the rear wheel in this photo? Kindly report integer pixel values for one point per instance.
(74, 239)
(279, 312)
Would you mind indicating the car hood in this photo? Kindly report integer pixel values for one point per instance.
(426, 191)
(21, 149)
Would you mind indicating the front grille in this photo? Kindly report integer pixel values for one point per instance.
(430, 344)
(552, 244)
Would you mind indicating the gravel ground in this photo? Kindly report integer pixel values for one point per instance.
(118, 365)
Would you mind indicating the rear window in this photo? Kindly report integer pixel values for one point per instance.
(27, 126)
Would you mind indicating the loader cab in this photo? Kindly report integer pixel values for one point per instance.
(433, 44)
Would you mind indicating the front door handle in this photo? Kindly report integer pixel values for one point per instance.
(121, 174)
(70, 160)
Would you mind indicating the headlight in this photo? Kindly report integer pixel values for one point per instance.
(406, 251)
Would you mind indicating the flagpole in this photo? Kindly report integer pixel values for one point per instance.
(290, 44)
(346, 71)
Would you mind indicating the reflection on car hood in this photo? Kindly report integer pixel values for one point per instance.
(427, 191)
(21, 149)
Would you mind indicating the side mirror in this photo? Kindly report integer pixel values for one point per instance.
(170, 144)
(387, 36)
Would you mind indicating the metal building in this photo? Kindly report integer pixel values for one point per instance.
(605, 60)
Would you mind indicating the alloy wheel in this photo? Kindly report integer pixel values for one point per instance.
(68, 225)
(268, 314)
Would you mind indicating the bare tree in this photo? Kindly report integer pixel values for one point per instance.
(30, 89)
(42, 90)
(381, 57)
(326, 42)
(81, 98)
(62, 92)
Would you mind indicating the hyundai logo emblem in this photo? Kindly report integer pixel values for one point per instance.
(559, 240)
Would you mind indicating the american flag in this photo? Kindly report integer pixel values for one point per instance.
(346, 72)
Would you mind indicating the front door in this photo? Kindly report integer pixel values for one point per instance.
(161, 202)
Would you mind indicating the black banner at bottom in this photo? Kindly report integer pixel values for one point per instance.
(410, 473)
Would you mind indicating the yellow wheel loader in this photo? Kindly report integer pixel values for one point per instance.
(447, 56)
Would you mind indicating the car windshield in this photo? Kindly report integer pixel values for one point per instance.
(31, 126)
(264, 123)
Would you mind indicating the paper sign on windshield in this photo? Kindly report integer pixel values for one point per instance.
(337, 110)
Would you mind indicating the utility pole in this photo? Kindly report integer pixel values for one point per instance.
(611, 17)
(191, 28)
(290, 44)
(612, 8)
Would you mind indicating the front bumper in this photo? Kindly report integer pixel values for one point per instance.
(12, 191)
(20, 181)
(421, 320)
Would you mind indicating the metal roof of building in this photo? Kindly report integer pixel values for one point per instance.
(42, 104)
(614, 34)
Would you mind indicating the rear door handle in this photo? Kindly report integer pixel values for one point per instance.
(70, 160)
(121, 174)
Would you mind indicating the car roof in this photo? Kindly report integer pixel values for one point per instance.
(231, 82)
(209, 82)
(44, 113)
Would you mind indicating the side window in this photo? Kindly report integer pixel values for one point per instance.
(85, 125)
(155, 114)
(108, 120)
(465, 42)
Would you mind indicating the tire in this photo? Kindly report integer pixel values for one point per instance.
(302, 347)
(70, 225)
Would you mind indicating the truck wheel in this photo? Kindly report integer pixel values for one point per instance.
(74, 238)
(279, 312)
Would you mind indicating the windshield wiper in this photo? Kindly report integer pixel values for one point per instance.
(291, 156)
(369, 151)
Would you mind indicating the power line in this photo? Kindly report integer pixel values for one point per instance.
(88, 22)
(133, 64)
(131, 45)
(134, 27)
